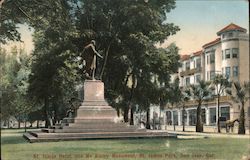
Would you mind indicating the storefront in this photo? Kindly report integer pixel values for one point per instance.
(208, 115)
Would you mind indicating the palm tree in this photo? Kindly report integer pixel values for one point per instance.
(220, 83)
(174, 95)
(200, 92)
(241, 95)
(184, 97)
(178, 96)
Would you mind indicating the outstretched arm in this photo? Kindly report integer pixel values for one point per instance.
(93, 48)
(98, 54)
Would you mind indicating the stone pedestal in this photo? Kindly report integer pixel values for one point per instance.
(94, 105)
(95, 119)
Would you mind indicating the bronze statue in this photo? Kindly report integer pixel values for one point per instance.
(89, 56)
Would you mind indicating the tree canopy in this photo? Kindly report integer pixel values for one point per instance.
(126, 33)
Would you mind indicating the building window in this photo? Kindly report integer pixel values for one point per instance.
(207, 59)
(203, 115)
(187, 65)
(212, 75)
(212, 116)
(222, 71)
(230, 34)
(184, 116)
(227, 52)
(198, 63)
(223, 36)
(169, 117)
(212, 58)
(188, 81)
(248, 111)
(227, 69)
(175, 116)
(222, 55)
(235, 52)
(192, 117)
(225, 112)
(197, 78)
(235, 71)
(180, 114)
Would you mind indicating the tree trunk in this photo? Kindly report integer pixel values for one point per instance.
(105, 60)
(25, 125)
(54, 117)
(140, 119)
(8, 123)
(242, 121)
(118, 111)
(148, 120)
(19, 124)
(218, 113)
(31, 124)
(183, 118)
(160, 119)
(131, 116)
(199, 124)
(37, 124)
(125, 116)
(47, 121)
(130, 100)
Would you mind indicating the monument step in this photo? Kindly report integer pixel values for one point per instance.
(94, 120)
(100, 127)
(47, 130)
(102, 103)
(56, 127)
(95, 134)
(86, 119)
(79, 136)
(87, 125)
(68, 120)
(79, 130)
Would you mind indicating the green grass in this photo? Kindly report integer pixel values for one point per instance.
(14, 147)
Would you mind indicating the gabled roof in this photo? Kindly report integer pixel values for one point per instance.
(198, 53)
(188, 56)
(232, 27)
(216, 41)
(185, 57)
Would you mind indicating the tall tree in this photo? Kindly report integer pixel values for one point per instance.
(221, 84)
(15, 70)
(240, 94)
(200, 92)
(178, 96)
(126, 33)
(174, 95)
(185, 96)
(53, 77)
(8, 70)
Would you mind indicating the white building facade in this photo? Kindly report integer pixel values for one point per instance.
(228, 54)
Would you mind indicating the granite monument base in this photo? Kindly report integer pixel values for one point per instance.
(95, 119)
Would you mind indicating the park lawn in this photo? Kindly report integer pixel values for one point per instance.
(15, 147)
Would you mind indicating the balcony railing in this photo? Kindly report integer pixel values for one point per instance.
(190, 71)
(223, 99)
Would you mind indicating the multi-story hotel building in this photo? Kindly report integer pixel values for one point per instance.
(228, 54)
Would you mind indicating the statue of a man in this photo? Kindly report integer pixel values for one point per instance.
(89, 56)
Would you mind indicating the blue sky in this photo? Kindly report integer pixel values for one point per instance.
(199, 20)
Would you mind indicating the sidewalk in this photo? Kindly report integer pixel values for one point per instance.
(209, 131)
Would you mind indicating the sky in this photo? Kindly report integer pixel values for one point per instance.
(199, 21)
